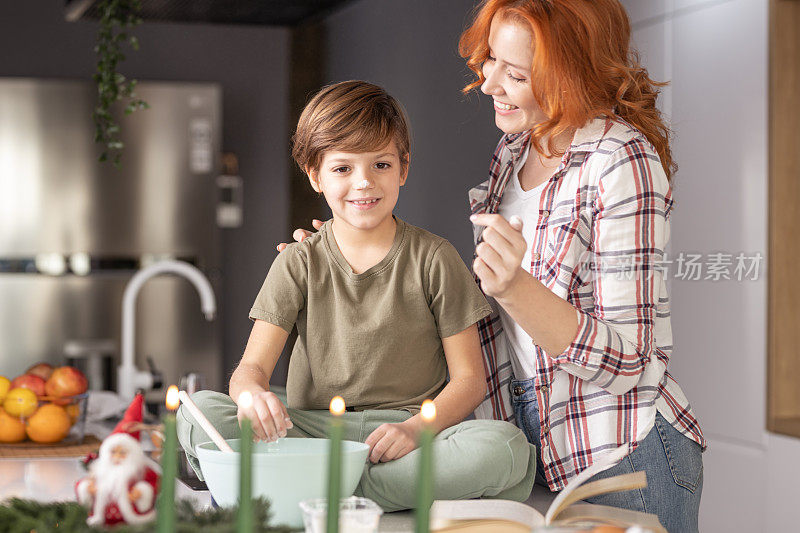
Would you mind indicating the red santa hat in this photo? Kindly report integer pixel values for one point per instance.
(129, 424)
(132, 417)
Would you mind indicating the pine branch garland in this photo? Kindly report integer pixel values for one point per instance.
(26, 516)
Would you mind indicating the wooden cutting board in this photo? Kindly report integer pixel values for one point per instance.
(33, 450)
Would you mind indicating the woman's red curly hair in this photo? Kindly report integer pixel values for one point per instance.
(582, 67)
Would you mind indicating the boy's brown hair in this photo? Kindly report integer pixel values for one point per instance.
(350, 116)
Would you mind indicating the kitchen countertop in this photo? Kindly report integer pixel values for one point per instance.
(49, 480)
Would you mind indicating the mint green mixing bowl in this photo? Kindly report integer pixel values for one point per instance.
(286, 472)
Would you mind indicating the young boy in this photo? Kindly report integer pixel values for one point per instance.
(383, 311)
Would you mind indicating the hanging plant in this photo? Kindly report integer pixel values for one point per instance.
(117, 17)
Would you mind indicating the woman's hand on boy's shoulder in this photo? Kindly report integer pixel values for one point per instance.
(300, 234)
(392, 441)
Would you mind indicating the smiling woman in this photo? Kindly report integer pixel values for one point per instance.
(576, 350)
(583, 66)
(507, 74)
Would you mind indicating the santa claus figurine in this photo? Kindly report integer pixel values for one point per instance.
(122, 483)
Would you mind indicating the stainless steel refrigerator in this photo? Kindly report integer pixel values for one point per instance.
(73, 231)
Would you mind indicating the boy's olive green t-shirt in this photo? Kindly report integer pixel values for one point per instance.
(373, 338)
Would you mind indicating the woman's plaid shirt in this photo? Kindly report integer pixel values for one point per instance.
(599, 244)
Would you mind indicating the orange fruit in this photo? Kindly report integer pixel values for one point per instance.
(5, 384)
(11, 429)
(20, 402)
(50, 423)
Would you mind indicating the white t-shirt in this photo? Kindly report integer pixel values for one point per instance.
(524, 204)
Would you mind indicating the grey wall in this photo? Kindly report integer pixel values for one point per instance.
(411, 49)
(251, 64)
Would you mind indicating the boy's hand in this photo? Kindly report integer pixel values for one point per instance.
(268, 415)
(300, 235)
(392, 441)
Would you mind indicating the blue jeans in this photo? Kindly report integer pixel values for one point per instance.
(673, 464)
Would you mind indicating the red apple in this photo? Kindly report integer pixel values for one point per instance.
(28, 381)
(66, 381)
(43, 370)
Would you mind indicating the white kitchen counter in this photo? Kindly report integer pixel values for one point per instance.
(50, 480)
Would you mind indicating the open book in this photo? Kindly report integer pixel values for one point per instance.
(504, 516)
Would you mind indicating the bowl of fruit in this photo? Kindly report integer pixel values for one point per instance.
(45, 405)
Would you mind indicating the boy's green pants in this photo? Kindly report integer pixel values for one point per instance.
(476, 458)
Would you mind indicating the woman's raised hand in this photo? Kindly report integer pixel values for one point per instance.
(500, 254)
(300, 234)
(268, 415)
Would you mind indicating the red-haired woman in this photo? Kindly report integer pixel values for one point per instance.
(577, 350)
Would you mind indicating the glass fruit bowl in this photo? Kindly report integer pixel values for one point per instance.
(27, 419)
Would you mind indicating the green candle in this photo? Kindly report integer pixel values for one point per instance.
(169, 467)
(335, 464)
(425, 479)
(244, 521)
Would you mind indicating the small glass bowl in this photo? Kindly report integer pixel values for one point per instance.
(356, 515)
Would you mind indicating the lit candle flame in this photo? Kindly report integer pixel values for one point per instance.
(246, 400)
(428, 411)
(172, 398)
(337, 405)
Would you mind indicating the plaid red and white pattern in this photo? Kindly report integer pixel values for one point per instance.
(600, 236)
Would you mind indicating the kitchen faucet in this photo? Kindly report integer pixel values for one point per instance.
(129, 378)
